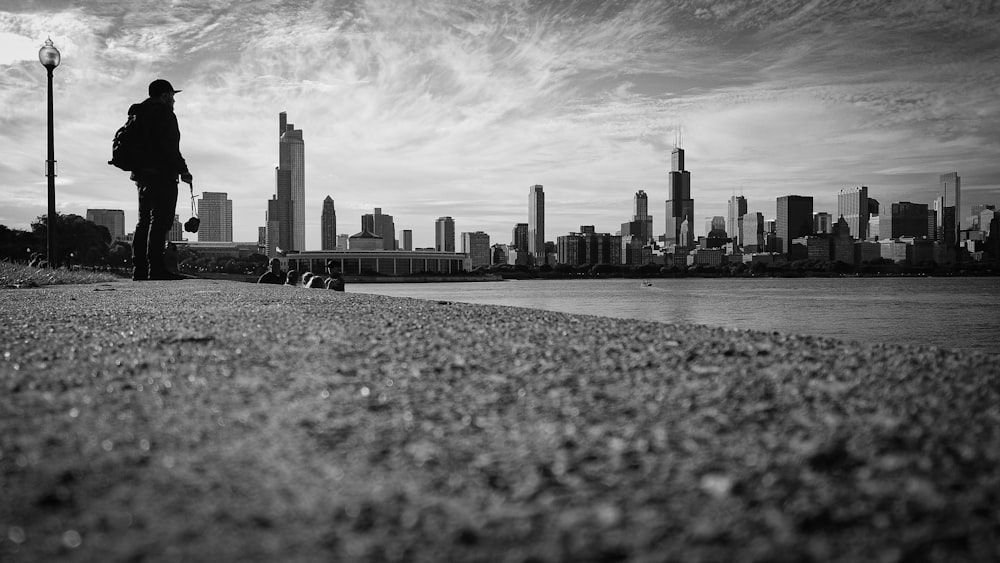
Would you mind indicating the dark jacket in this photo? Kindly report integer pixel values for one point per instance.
(161, 135)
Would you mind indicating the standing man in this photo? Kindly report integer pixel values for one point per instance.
(156, 179)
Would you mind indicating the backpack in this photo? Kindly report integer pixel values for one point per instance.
(126, 148)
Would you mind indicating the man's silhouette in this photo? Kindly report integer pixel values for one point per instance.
(156, 179)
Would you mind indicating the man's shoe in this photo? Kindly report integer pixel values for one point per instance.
(167, 276)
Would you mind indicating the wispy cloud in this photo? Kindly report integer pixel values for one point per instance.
(446, 107)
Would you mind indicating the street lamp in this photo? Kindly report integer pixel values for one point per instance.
(49, 56)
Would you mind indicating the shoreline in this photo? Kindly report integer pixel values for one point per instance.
(514, 277)
(210, 420)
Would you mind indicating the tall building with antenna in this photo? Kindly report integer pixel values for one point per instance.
(679, 205)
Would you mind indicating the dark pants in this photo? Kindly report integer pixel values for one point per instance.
(157, 203)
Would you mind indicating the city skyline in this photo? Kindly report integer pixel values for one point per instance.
(451, 109)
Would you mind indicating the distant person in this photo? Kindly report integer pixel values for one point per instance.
(306, 277)
(292, 277)
(335, 279)
(316, 282)
(274, 274)
(156, 180)
(171, 257)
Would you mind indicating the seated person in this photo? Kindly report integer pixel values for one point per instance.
(273, 274)
(292, 277)
(316, 282)
(171, 258)
(335, 281)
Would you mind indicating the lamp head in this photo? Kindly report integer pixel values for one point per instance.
(48, 55)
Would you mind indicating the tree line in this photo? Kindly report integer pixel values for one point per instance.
(83, 243)
(79, 242)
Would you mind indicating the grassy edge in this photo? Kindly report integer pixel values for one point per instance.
(15, 276)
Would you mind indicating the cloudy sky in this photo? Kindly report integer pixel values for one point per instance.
(428, 108)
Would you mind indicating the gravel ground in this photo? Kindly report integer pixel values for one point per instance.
(216, 421)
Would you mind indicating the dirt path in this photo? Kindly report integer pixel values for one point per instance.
(205, 420)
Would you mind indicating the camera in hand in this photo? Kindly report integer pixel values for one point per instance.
(192, 224)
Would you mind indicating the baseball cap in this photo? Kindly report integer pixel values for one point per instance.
(160, 86)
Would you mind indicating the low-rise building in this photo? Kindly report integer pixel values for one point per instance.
(867, 251)
(366, 240)
(894, 250)
(500, 253)
(588, 247)
(762, 258)
(379, 261)
(813, 247)
(921, 250)
(706, 257)
(213, 249)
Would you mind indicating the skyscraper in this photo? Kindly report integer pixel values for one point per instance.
(853, 205)
(444, 234)
(737, 209)
(979, 208)
(642, 216)
(794, 219)
(215, 210)
(639, 231)
(406, 241)
(753, 232)
(382, 225)
(279, 214)
(328, 225)
(904, 219)
(823, 222)
(715, 223)
(176, 233)
(292, 159)
(112, 219)
(949, 217)
(519, 237)
(680, 206)
(477, 246)
(536, 223)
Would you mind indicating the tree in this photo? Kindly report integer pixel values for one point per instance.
(79, 240)
(648, 269)
(120, 254)
(16, 244)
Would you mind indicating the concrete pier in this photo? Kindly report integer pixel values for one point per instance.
(216, 421)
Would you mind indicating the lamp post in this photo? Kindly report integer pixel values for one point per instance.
(49, 56)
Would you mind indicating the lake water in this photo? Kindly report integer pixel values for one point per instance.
(948, 312)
